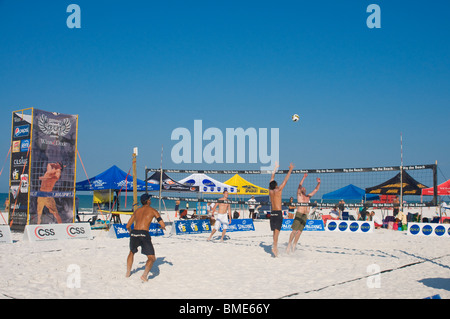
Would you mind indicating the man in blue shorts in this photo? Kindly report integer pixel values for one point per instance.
(140, 235)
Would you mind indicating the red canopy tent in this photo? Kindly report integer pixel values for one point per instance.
(442, 189)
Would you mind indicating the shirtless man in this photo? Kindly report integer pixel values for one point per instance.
(276, 215)
(222, 218)
(140, 235)
(301, 215)
(48, 181)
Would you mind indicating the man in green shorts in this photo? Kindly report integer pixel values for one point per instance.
(301, 215)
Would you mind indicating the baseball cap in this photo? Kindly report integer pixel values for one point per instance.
(144, 198)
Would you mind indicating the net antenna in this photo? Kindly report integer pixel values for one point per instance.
(160, 176)
(401, 172)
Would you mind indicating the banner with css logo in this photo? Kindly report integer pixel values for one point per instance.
(311, 225)
(120, 230)
(349, 226)
(429, 230)
(192, 226)
(57, 232)
(5, 235)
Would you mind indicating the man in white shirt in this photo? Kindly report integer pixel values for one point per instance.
(251, 207)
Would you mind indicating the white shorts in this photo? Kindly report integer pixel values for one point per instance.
(221, 219)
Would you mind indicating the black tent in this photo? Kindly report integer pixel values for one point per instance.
(168, 184)
(393, 186)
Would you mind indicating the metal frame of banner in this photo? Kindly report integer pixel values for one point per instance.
(75, 175)
(29, 164)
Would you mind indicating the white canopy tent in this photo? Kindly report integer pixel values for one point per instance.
(207, 184)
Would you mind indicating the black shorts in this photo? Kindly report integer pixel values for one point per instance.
(276, 220)
(141, 238)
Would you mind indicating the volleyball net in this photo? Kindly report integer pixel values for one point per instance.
(378, 185)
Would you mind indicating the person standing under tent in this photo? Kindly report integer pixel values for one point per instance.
(222, 218)
(341, 207)
(302, 213)
(140, 235)
(396, 209)
(251, 207)
(276, 215)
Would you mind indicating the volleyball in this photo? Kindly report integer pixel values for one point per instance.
(295, 117)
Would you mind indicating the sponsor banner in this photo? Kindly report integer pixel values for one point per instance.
(5, 235)
(429, 230)
(52, 168)
(57, 232)
(311, 225)
(349, 226)
(236, 225)
(120, 230)
(197, 226)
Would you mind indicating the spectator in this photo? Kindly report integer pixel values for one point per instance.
(341, 207)
(251, 207)
(335, 213)
(362, 215)
(376, 220)
(401, 217)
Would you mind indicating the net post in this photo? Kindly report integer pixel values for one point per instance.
(435, 190)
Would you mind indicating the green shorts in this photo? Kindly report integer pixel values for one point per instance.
(299, 221)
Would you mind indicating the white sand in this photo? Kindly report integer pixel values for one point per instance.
(325, 265)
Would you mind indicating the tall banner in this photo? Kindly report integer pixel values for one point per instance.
(19, 169)
(53, 168)
(43, 168)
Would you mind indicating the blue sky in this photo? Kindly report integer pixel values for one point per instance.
(136, 71)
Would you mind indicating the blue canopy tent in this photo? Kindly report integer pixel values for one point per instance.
(114, 179)
(350, 192)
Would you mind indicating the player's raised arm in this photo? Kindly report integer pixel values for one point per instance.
(315, 189)
(274, 171)
(291, 167)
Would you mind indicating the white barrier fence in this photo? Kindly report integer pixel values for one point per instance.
(5, 235)
(48, 232)
(349, 226)
(429, 230)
